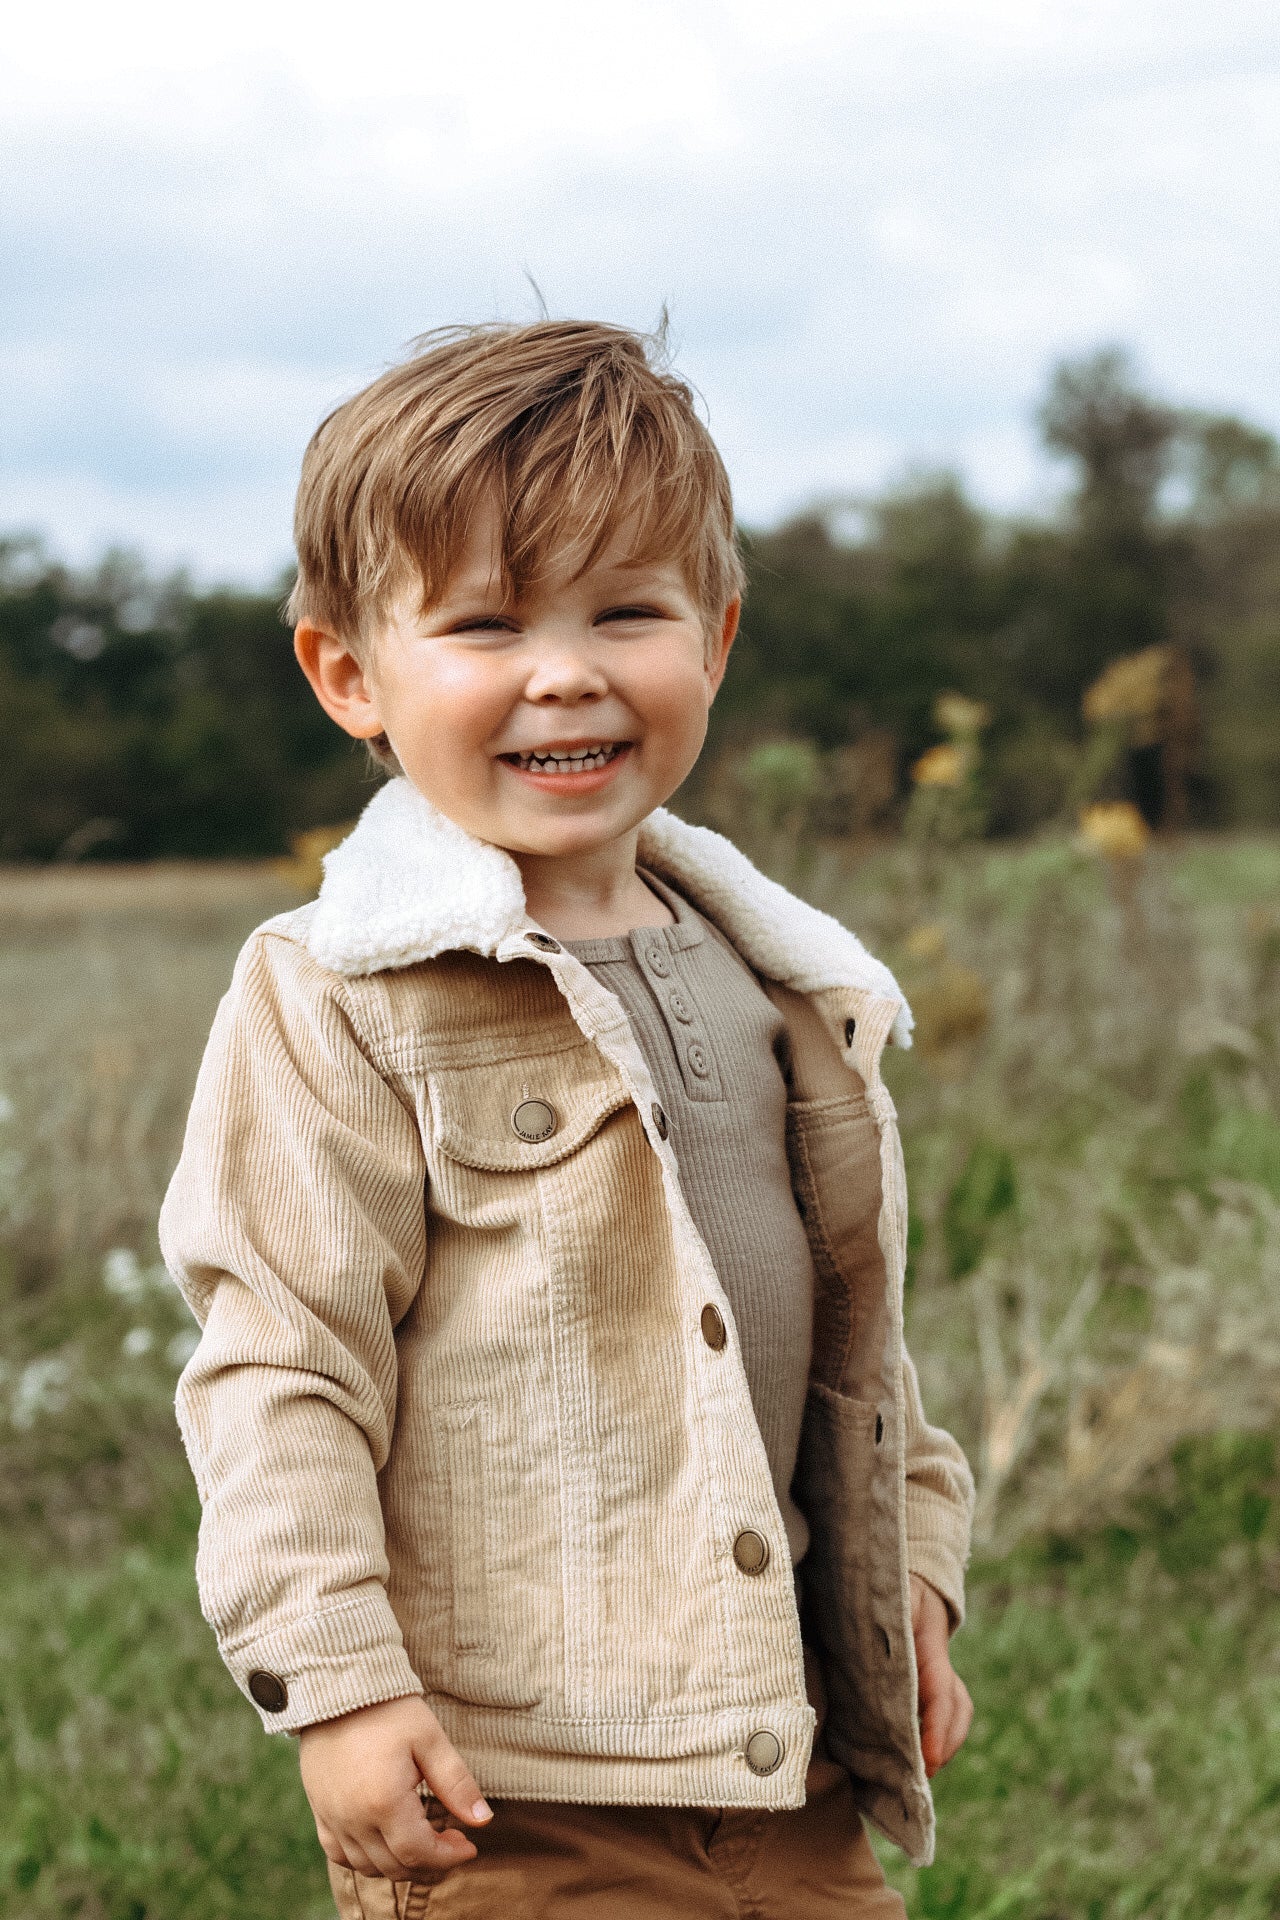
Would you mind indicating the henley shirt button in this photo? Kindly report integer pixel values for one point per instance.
(658, 962)
(751, 1554)
(680, 1007)
(764, 1752)
(269, 1690)
(850, 1028)
(698, 1062)
(660, 1121)
(712, 1323)
(544, 941)
(534, 1120)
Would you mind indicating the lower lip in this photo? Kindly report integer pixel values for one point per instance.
(570, 783)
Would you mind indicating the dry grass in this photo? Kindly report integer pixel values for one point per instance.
(1092, 1138)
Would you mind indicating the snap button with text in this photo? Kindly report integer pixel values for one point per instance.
(764, 1752)
(534, 1120)
(751, 1551)
(712, 1323)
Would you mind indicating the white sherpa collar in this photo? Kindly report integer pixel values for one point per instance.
(408, 883)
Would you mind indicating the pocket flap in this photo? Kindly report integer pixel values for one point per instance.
(523, 1113)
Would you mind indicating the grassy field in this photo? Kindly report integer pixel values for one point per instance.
(1092, 1132)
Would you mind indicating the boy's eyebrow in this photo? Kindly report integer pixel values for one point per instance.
(490, 597)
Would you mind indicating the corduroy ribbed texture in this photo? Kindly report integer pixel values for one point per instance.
(716, 1045)
(453, 1421)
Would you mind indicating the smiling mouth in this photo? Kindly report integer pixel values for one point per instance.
(567, 759)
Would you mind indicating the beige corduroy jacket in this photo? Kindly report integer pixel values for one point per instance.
(455, 1424)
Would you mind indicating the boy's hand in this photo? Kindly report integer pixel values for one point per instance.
(361, 1775)
(946, 1711)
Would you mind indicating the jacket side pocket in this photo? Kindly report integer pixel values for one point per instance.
(465, 1451)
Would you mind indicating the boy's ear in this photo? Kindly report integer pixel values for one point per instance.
(338, 680)
(718, 659)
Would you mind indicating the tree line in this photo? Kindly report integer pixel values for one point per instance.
(140, 718)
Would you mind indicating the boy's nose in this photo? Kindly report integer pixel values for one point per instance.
(565, 672)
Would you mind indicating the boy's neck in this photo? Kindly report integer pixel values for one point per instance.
(596, 895)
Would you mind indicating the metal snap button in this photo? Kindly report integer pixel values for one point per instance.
(751, 1551)
(534, 1120)
(269, 1690)
(680, 1007)
(658, 962)
(850, 1028)
(764, 1752)
(544, 941)
(660, 1121)
(698, 1061)
(712, 1324)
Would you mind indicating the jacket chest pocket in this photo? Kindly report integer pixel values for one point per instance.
(491, 1126)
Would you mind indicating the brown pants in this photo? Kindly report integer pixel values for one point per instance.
(545, 1861)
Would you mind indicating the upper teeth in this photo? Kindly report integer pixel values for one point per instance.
(575, 759)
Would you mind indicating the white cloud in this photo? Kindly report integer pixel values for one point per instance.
(876, 227)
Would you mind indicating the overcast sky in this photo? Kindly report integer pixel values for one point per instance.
(876, 224)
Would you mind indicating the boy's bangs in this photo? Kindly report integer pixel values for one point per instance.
(562, 523)
(559, 515)
(574, 434)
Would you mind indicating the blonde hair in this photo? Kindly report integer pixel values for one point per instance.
(575, 429)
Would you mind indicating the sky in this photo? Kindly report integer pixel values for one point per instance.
(876, 225)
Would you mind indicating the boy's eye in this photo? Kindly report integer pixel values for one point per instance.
(630, 613)
(484, 623)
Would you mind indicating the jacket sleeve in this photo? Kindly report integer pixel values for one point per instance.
(939, 1501)
(295, 1227)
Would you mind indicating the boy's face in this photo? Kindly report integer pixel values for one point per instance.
(551, 727)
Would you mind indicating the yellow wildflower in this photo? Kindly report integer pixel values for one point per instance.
(959, 717)
(1115, 829)
(927, 941)
(304, 868)
(1132, 689)
(943, 766)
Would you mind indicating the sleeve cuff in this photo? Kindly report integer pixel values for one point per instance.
(348, 1655)
(937, 1548)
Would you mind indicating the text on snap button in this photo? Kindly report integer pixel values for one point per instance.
(751, 1551)
(534, 1120)
(764, 1752)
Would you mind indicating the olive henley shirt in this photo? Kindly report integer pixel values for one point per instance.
(715, 1045)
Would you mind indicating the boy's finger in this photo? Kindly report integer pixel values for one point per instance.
(931, 1731)
(450, 1779)
(416, 1844)
(355, 1857)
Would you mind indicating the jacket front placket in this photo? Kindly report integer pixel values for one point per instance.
(722, 1405)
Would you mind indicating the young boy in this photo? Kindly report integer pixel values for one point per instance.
(544, 1212)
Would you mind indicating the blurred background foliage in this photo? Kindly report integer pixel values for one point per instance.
(141, 719)
(973, 741)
